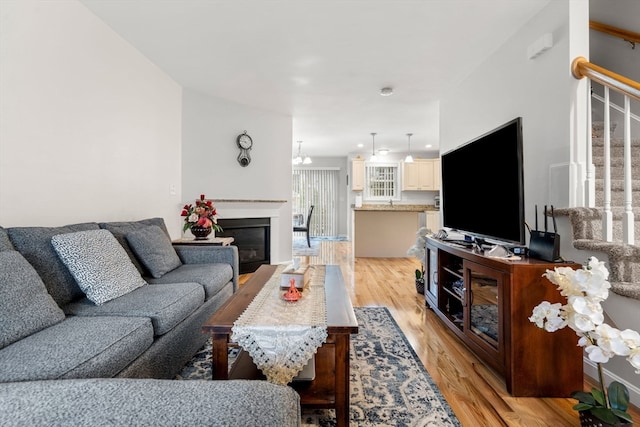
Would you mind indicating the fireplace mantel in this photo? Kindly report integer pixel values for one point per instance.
(260, 208)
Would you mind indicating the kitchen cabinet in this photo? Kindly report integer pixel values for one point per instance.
(357, 175)
(433, 221)
(421, 175)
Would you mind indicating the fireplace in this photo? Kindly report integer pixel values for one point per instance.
(252, 236)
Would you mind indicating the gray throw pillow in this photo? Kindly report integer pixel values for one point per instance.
(154, 250)
(25, 305)
(99, 264)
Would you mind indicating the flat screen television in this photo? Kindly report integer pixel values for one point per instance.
(483, 186)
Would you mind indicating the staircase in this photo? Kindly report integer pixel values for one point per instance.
(586, 223)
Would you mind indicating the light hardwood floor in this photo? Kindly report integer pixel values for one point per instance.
(476, 393)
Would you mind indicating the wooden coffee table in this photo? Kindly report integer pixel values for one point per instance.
(330, 388)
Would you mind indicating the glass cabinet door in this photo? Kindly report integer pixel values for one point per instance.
(483, 317)
(431, 280)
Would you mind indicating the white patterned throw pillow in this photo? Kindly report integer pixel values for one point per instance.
(100, 265)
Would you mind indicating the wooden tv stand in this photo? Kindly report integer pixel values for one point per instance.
(487, 303)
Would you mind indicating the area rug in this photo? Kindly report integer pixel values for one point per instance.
(300, 247)
(389, 384)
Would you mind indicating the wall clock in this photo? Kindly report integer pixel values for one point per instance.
(245, 143)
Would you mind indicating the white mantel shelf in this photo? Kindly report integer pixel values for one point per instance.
(247, 201)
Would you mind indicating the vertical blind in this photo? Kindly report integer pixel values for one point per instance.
(317, 187)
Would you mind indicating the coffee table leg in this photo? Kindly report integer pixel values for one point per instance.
(219, 357)
(342, 379)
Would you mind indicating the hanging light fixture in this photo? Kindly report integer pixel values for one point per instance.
(373, 154)
(298, 159)
(409, 158)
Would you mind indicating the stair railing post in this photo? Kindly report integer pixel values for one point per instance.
(590, 184)
(607, 215)
(628, 219)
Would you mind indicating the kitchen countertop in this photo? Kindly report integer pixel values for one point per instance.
(396, 207)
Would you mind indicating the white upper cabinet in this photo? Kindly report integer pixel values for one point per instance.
(421, 175)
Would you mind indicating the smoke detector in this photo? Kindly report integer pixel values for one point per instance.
(386, 91)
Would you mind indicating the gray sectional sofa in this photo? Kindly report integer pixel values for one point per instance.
(84, 305)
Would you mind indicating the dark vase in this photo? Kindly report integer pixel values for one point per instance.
(588, 420)
(201, 233)
(420, 286)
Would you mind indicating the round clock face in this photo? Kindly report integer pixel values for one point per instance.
(244, 141)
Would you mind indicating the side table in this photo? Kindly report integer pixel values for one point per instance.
(213, 241)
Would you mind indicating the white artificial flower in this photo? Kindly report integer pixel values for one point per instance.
(194, 217)
(422, 232)
(548, 316)
(610, 340)
(585, 289)
(597, 354)
(582, 314)
(598, 267)
(634, 359)
(563, 277)
(631, 338)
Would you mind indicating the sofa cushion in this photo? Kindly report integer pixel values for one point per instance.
(166, 305)
(153, 248)
(98, 263)
(34, 243)
(148, 402)
(5, 243)
(121, 229)
(25, 305)
(78, 347)
(212, 277)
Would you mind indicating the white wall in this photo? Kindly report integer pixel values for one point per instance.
(209, 152)
(89, 128)
(543, 92)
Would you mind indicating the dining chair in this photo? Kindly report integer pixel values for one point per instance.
(304, 228)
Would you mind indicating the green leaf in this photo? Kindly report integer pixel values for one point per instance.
(618, 396)
(605, 415)
(582, 407)
(598, 395)
(584, 397)
(622, 415)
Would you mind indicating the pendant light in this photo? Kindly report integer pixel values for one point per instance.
(298, 159)
(409, 158)
(373, 153)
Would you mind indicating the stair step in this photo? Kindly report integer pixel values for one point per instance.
(626, 289)
(587, 223)
(614, 142)
(617, 168)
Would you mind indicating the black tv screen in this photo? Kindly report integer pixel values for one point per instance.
(483, 186)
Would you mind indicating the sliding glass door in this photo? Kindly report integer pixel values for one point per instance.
(317, 187)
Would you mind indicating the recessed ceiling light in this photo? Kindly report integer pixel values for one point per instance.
(386, 91)
(383, 151)
(428, 145)
(360, 145)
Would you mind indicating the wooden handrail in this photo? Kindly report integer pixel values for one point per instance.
(626, 35)
(583, 68)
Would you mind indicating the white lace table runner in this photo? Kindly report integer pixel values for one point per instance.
(282, 336)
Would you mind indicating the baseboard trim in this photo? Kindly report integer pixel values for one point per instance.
(591, 370)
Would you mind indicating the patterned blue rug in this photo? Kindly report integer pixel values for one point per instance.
(389, 384)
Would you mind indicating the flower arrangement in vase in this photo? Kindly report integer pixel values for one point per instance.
(585, 289)
(201, 218)
(418, 251)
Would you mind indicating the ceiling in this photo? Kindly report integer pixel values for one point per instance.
(324, 62)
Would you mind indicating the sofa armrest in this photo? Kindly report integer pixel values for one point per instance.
(210, 254)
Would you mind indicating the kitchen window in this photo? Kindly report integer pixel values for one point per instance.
(381, 182)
